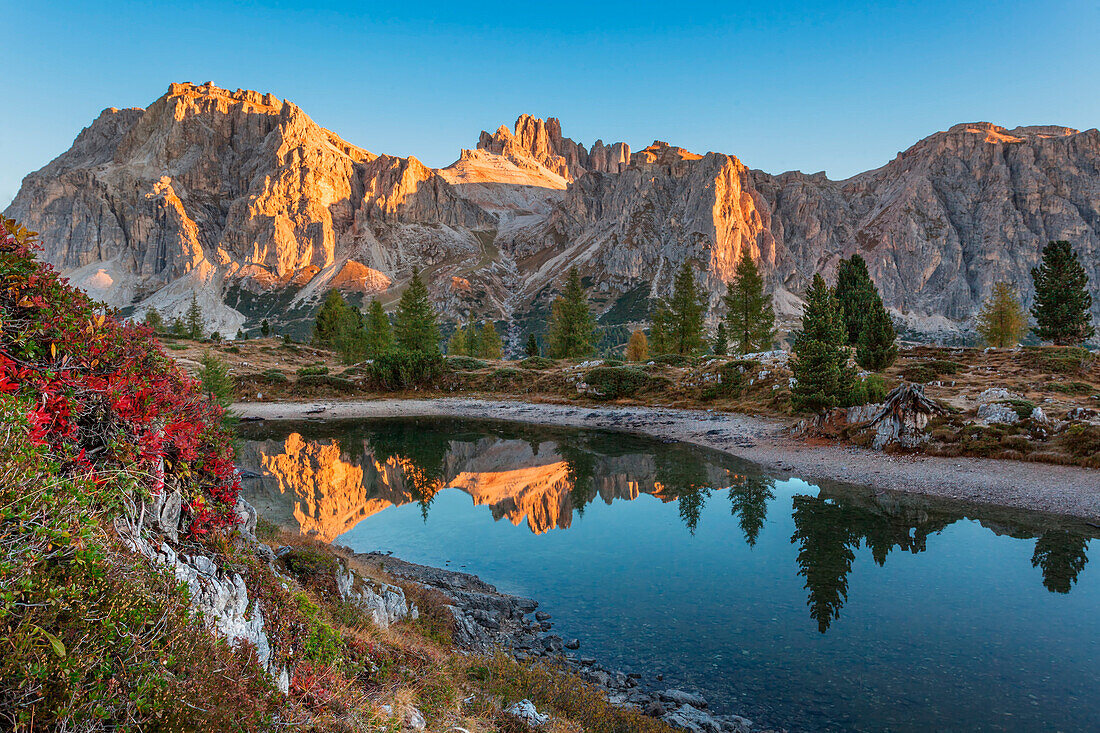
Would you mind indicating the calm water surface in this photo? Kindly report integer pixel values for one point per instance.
(814, 607)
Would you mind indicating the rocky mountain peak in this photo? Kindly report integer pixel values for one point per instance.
(541, 141)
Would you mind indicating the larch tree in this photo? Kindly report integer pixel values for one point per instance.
(749, 310)
(572, 331)
(490, 345)
(637, 348)
(1001, 320)
(415, 328)
(1063, 305)
(456, 344)
(820, 361)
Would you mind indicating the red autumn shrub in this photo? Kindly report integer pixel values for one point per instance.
(106, 399)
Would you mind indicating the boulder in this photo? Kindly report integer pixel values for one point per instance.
(998, 413)
(526, 711)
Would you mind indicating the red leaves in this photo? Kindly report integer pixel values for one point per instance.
(113, 394)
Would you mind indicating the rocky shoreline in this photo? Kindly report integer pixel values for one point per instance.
(486, 620)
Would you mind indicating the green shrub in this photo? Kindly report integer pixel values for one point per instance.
(537, 362)
(506, 373)
(920, 373)
(869, 390)
(1023, 408)
(1057, 359)
(1071, 387)
(613, 362)
(1083, 441)
(465, 363)
(675, 360)
(403, 369)
(617, 381)
(312, 371)
(274, 376)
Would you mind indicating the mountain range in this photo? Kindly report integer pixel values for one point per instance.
(242, 198)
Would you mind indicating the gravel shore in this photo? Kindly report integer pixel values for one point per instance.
(1066, 490)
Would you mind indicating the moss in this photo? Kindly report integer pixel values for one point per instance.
(465, 363)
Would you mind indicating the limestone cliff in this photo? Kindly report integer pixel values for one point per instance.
(243, 198)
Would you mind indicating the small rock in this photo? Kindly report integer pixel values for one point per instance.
(573, 644)
(680, 697)
(526, 711)
(542, 616)
(654, 709)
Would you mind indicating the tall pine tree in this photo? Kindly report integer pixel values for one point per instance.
(532, 347)
(721, 342)
(193, 319)
(379, 338)
(876, 347)
(856, 294)
(489, 344)
(749, 310)
(456, 345)
(572, 331)
(820, 363)
(659, 317)
(687, 309)
(332, 320)
(415, 328)
(1063, 306)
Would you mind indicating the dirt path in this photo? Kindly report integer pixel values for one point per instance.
(1064, 490)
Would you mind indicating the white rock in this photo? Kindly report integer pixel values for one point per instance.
(526, 711)
(998, 413)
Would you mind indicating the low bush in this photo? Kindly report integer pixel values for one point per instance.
(465, 363)
(869, 390)
(312, 371)
(538, 362)
(675, 360)
(400, 369)
(1022, 408)
(274, 376)
(919, 373)
(615, 382)
(1074, 388)
(1083, 442)
(1058, 359)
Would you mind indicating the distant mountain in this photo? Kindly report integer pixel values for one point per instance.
(244, 199)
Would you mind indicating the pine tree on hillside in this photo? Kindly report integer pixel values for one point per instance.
(154, 320)
(1063, 305)
(332, 320)
(379, 333)
(532, 348)
(473, 337)
(415, 328)
(1002, 321)
(637, 348)
(193, 319)
(572, 330)
(820, 363)
(877, 346)
(855, 292)
(265, 328)
(721, 343)
(749, 310)
(659, 341)
(456, 344)
(489, 344)
(179, 328)
(687, 309)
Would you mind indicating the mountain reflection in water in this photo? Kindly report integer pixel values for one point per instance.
(347, 471)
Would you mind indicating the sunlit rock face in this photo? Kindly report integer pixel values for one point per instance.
(318, 488)
(209, 190)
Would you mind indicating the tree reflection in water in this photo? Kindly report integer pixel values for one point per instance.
(829, 528)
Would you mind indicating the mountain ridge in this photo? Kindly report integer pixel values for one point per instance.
(243, 198)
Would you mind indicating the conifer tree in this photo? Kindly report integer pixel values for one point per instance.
(379, 333)
(193, 319)
(179, 328)
(686, 309)
(456, 344)
(473, 337)
(749, 310)
(489, 344)
(216, 380)
(856, 293)
(1002, 321)
(637, 348)
(721, 343)
(154, 320)
(820, 362)
(265, 328)
(659, 340)
(332, 320)
(532, 348)
(877, 346)
(415, 328)
(1063, 305)
(572, 330)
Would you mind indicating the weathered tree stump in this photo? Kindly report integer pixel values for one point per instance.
(904, 417)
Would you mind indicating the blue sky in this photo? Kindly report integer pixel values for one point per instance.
(801, 85)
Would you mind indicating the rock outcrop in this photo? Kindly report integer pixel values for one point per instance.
(226, 192)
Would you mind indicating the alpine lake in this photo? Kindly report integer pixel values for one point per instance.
(807, 606)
